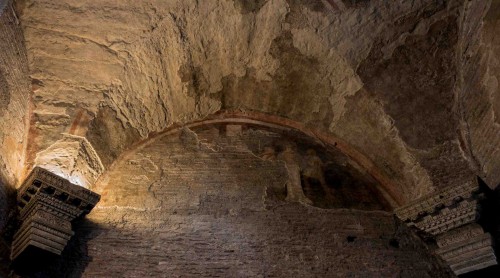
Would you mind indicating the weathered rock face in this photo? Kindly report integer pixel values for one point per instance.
(479, 90)
(14, 100)
(408, 90)
(381, 77)
(413, 86)
(72, 158)
(200, 203)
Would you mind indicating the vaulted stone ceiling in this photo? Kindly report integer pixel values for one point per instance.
(409, 90)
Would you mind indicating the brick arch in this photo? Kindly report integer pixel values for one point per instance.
(385, 185)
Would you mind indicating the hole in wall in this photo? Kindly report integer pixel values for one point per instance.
(394, 243)
(351, 238)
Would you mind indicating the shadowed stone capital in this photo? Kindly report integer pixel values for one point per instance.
(449, 216)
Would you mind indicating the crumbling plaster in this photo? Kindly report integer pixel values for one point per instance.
(387, 79)
(407, 89)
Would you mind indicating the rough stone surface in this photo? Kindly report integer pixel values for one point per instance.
(407, 89)
(202, 204)
(479, 90)
(4, 94)
(381, 77)
(72, 158)
(14, 100)
(14, 88)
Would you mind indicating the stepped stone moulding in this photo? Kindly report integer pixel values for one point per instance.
(449, 217)
(47, 205)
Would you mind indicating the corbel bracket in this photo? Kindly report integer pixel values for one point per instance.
(47, 206)
(449, 216)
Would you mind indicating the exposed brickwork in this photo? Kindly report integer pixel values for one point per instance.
(15, 93)
(408, 92)
(14, 99)
(206, 206)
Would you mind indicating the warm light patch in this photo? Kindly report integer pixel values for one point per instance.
(72, 158)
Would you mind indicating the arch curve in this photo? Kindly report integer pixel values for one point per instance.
(385, 185)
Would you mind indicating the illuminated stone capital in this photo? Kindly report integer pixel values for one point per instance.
(47, 205)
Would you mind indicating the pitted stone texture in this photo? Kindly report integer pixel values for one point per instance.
(4, 94)
(417, 94)
(14, 100)
(146, 65)
(14, 107)
(171, 210)
(479, 87)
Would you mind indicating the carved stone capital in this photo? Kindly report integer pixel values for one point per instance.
(449, 216)
(466, 249)
(47, 205)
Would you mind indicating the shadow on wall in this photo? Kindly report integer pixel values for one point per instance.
(7, 201)
(215, 218)
(217, 249)
(72, 262)
(328, 178)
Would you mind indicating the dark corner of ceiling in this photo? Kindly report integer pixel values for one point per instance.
(8, 225)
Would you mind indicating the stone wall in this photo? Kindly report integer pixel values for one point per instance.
(14, 104)
(479, 86)
(203, 204)
(380, 77)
